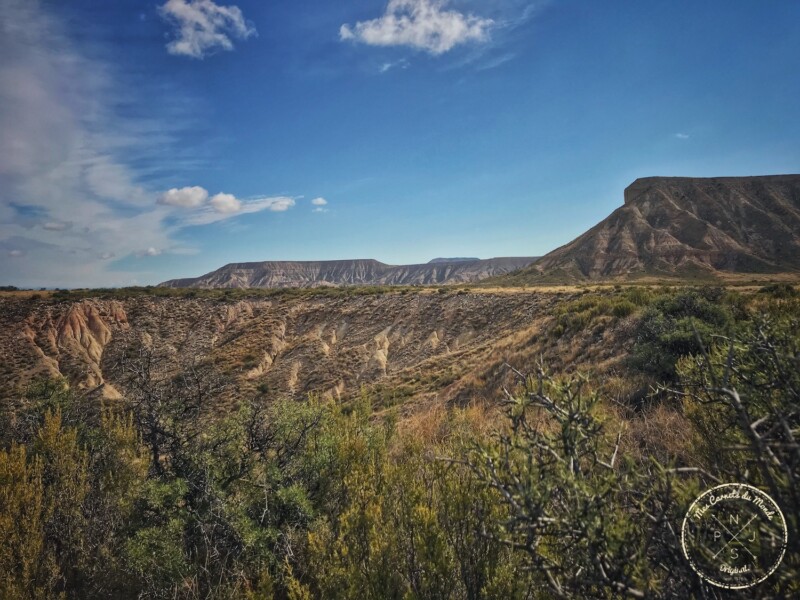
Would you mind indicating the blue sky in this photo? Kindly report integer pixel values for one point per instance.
(141, 141)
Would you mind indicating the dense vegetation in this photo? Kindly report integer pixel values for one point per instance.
(158, 496)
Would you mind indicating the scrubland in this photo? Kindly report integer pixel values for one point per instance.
(551, 449)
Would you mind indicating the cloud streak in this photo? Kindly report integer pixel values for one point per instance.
(388, 66)
(224, 206)
(202, 27)
(66, 196)
(74, 190)
(421, 24)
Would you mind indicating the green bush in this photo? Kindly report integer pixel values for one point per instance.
(584, 312)
(779, 290)
(640, 296)
(623, 308)
(675, 326)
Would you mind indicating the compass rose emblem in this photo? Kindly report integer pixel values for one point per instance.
(734, 536)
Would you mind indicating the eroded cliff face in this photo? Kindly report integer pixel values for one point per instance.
(60, 340)
(275, 274)
(685, 226)
(407, 348)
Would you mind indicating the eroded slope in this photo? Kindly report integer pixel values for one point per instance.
(405, 347)
(680, 226)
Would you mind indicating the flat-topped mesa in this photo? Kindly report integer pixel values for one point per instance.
(361, 262)
(278, 274)
(642, 184)
(686, 227)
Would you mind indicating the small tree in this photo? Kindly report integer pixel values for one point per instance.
(572, 509)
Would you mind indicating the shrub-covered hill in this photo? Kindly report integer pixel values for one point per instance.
(562, 488)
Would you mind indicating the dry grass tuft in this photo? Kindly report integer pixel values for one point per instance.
(663, 433)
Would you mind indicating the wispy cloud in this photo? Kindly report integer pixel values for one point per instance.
(397, 64)
(75, 192)
(682, 136)
(510, 18)
(426, 25)
(66, 196)
(224, 206)
(495, 61)
(203, 27)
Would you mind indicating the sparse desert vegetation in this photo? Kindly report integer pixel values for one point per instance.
(458, 300)
(569, 481)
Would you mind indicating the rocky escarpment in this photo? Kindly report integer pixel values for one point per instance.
(687, 226)
(278, 274)
(61, 340)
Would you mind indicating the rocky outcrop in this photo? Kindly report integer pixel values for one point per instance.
(680, 226)
(82, 329)
(69, 341)
(277, 274)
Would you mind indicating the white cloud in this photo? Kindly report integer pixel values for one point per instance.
(423, 24)
(15, 253)
(204, 210)
(280, 204)
(226, 204)
(212, 213)
(682, 136)
(151, 251)
(203, 27)
(320, 204)
(186, 197)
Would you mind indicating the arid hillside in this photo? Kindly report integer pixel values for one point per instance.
(686, 227)
(282, 274)
(406, 347)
